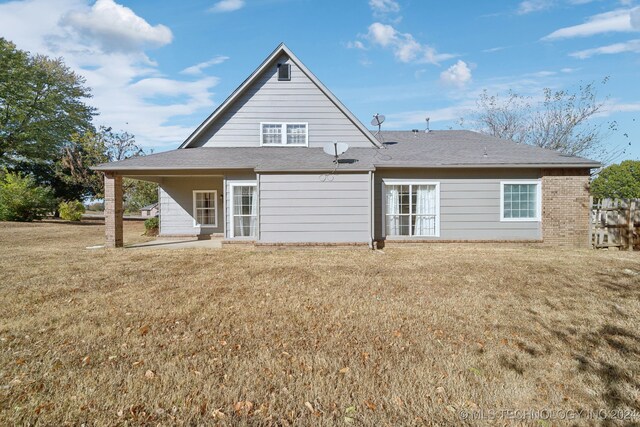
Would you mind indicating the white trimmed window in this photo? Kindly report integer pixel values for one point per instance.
(412, 208)
(205, 208)
(520, 201)
(284, 134)
(244, 210)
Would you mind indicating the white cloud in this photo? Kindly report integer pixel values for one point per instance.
(198, 68)
(615, 21)
(457, 104)
(530, 6)
(635, 18)
(128, 87)
(459, 74)
(117, 27)
(227, 6)
(384, 6)
(404, 46)
(615, 106)
(356, 45)
(494, 49)
(628, 46)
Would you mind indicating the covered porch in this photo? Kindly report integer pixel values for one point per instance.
(209, 205)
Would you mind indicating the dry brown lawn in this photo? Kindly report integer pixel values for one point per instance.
(404, 336)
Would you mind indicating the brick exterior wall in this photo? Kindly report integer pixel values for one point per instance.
(565, 207)
(113, 211)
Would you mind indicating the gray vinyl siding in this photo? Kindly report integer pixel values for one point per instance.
(469, 203)
(303, 208)
(270, 100)
(176, 205)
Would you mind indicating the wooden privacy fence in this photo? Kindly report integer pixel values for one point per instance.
(615, 223)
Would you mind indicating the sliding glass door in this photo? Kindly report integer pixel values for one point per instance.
(412, 209)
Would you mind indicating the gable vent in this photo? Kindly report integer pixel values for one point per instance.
(284, 72)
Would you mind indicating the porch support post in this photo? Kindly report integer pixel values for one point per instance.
(113, 210)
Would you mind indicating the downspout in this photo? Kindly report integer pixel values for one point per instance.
(224, 207)
(160, 207)
(258, 216)
(371, 211)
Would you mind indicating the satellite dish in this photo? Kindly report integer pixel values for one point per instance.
(335, 149)
(378, 119)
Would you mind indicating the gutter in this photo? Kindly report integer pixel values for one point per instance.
(491, 165)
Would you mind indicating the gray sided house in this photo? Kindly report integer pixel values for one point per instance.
(255, 171)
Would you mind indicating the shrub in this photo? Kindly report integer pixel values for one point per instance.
(151, 226)
(21, 199)
(71, 211)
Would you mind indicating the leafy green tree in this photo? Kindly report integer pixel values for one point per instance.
(79, 154)
(91, 148)
(138, 194)
(618, 181)
(41, 106)
(21, 199)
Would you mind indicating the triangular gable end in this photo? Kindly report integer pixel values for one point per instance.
(304, 99)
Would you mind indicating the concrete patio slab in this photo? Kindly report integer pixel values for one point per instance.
(178, 244)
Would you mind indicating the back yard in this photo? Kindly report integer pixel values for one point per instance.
(409, 335)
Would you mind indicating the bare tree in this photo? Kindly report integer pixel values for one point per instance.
(119, 145)
(561, 121)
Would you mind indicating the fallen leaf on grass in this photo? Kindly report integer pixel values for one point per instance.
(150, 374)
(144, 330)
(349, 413)
(139, 362)
(476, 371)
(397, 401)
(218, 414)
(344, 370)
(86, 360)
(309, 407)
(370, 405)
(243, 406)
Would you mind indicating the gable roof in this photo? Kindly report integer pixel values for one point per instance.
(235, 95)
(402, 149)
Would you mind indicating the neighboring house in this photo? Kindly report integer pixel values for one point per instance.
(149, 211)
(255, 171)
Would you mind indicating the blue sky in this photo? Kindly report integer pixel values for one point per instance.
(158, 68)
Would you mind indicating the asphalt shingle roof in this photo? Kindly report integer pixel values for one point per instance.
(401, 149)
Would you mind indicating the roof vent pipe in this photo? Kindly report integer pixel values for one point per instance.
(415, 132)
(427, 120)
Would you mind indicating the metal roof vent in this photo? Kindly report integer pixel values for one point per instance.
(415, 132)
(284, 72)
